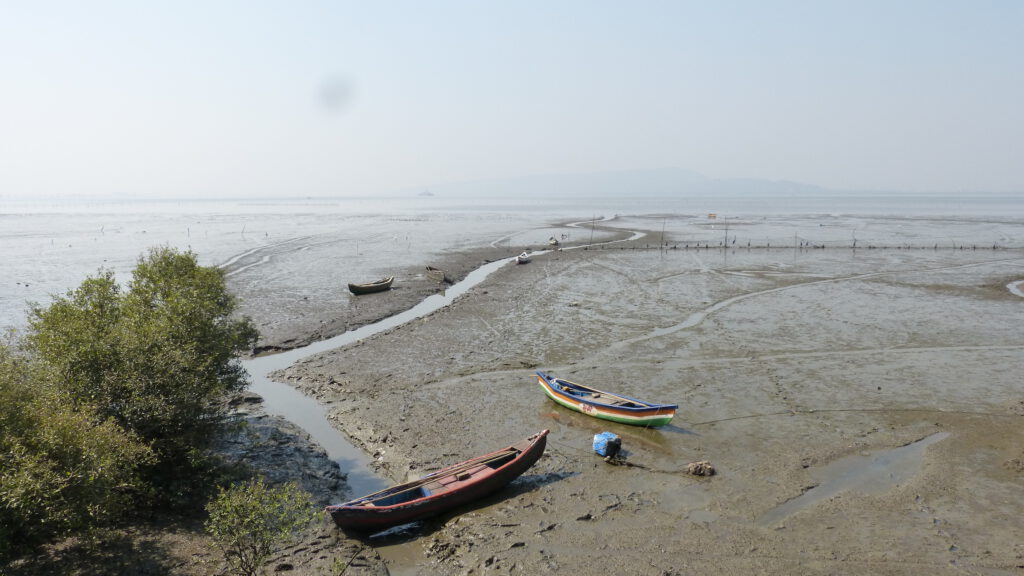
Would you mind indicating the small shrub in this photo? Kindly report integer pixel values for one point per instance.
(248, 521)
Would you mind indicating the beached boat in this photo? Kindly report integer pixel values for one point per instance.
(522, 258)
(438, 275)
(605, 405)
(378, 286)
(439, 491)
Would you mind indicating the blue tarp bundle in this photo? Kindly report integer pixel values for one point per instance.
(607, 444)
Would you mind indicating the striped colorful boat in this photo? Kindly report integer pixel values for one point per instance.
(605, 405)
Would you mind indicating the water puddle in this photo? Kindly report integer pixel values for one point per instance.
(867, 474)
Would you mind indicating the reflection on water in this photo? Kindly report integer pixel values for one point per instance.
(868, 474)
(287, 402)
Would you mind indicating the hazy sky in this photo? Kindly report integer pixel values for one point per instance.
(306, 98)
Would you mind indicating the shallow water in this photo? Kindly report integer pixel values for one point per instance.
(305, 250)
(284, 400)
(865, 474)
(302, 248)
(50, 248)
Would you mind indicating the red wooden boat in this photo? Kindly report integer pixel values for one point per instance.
(440, 491)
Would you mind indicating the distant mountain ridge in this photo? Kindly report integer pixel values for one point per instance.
(647, 183)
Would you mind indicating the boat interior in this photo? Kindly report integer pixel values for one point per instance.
(597, 396)
(457, 478)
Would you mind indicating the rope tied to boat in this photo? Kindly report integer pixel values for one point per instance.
(609, 446)
(699, 468)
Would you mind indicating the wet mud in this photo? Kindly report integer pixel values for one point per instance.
(783, 362)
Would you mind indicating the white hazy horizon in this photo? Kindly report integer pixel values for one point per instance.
(115, 99)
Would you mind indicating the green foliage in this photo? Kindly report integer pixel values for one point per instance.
(63, 469)
(113, 393)
(247, 521)
(158, 358)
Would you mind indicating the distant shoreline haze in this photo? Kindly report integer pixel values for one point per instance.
(657, 183)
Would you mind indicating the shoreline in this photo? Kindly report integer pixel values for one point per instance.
(387, 392)
(412, 286)
(795, 360)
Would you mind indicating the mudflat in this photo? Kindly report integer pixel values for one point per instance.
(862, 409)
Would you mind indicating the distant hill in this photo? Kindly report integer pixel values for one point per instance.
(647, 183)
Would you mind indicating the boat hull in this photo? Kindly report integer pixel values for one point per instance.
(378, 286)
(356, 515)
(643, 414)
(438, 275)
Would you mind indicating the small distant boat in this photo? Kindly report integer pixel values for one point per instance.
(605, 405)
(440, 491)
(378, 286)
(438, 275)
(523, 258)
